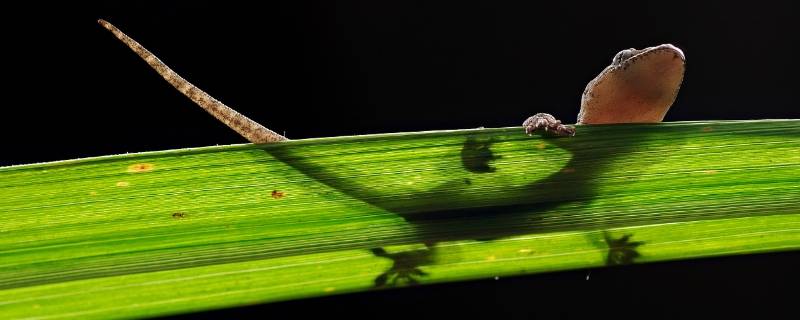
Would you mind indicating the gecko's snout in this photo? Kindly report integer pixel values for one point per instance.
(629, 56)
(670, 47)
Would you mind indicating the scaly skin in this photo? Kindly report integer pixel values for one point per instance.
(251, 130)
(638, 87)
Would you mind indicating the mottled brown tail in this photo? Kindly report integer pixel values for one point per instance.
(249, 129)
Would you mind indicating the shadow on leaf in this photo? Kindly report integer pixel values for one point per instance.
(621, 251)
(405, 268)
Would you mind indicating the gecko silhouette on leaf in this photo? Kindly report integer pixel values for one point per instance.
(638, 86)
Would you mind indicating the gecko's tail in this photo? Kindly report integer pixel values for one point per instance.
(249, 129)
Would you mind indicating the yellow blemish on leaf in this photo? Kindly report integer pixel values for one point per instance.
(92, 193)
(140, 167)
(525, 251)
(123, 184)
(491, 258)
(329, 289)
(541, 145)
(710, 171)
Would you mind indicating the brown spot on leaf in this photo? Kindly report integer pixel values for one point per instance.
(179, 215)
(708, 129)
(277, 194)
(140, 167)
(568, 170)
(541, 146)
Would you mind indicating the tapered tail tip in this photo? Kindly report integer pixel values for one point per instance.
(105, 24)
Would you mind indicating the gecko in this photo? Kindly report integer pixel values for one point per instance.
(638, 87)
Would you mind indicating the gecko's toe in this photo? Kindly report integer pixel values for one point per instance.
(547, 122)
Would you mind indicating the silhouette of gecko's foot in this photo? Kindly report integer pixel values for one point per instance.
(621, 251)
(548, 123)
(406, 265)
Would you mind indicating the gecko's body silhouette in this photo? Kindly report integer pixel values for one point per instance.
(639, 86)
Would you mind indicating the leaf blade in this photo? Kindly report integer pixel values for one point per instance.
(101, 222)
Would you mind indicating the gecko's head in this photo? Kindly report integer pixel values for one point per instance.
(629, 56)
(638, 86)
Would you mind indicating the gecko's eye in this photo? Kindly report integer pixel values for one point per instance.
(624, 55)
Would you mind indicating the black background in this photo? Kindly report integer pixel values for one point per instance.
(324, 68)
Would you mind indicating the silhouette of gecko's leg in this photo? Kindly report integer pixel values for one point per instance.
(249, 129)
(548, 123)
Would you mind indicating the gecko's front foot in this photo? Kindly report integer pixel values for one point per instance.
(548, 123)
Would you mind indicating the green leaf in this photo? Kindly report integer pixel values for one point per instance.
(186, 230)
